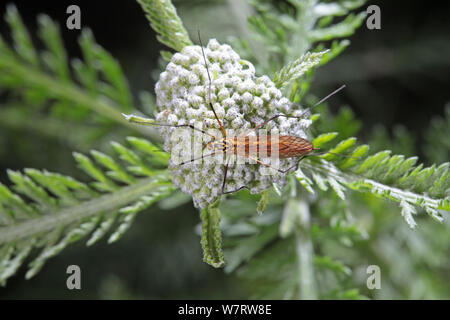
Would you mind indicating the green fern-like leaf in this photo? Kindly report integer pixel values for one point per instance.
(298, 244)
(290, 31)
(297, 68)
(211, 236)
(327, 180)
(165, 21)
(63, 210)
(44, 78)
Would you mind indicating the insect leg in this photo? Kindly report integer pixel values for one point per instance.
(233, 191)
(295, 165)
(277, 169)
(209, 92)
(225, 178)
(150, 122)
(267, 121)
(312, 155)
(265, 164)
(203, 156)
(225, 175)
(301, 115)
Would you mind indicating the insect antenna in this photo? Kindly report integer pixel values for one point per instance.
(322, 100)
(209, 86)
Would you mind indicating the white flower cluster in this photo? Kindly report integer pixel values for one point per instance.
(241, 101)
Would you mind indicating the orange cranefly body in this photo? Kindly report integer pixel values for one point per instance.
(266, 146)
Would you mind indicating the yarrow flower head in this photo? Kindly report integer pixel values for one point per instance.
(241, 101)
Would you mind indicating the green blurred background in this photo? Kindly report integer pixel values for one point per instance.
(397, 81)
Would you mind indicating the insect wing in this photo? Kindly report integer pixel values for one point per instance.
(290, 147)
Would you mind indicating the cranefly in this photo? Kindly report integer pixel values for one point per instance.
(236, 97)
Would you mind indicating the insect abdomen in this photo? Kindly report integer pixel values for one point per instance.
(262, 147)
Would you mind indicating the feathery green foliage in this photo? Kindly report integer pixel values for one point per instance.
(211, 235)
(63, 210)
(329, 178)
(305, 241)
(297, 68)
(163, 18)
(272, 254)
(288, 30)
(43, 79)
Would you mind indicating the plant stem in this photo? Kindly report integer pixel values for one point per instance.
(305, 252)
